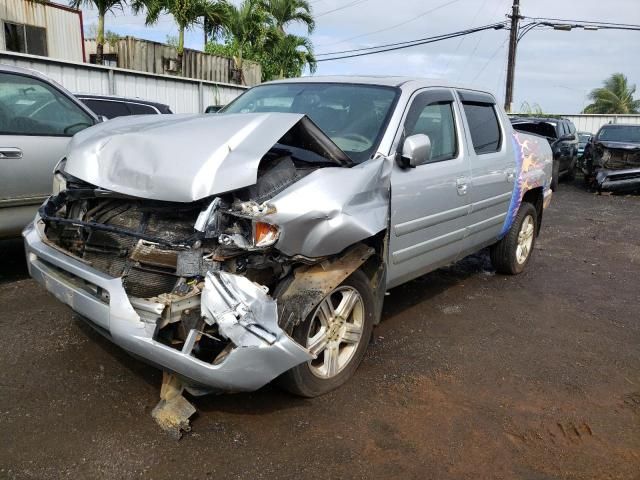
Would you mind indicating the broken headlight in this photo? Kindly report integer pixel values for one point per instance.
(59, 180)
(264, 234)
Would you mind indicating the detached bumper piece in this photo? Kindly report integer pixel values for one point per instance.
(619, 181)
(258, 349)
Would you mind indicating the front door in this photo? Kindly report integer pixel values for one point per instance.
(429, 203)
(36, 124)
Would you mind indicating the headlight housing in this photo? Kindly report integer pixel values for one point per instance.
(264, 234)
(59, 180)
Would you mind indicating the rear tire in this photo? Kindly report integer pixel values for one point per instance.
(511, 255)
(344, 331)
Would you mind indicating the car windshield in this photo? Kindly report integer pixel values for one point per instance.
(584, 138)
(352, 116)
(628, 133)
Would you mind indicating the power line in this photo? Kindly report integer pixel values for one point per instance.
(446, 67)
(391, 27)
(407, 42)
(490, 60)
(599, 22)
(463, 70)
(413, 43)
(348, 5)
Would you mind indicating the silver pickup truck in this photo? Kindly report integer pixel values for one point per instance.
(257, 243)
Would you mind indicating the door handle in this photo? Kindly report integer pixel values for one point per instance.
(461, 186)
(10, 152)
(510, 176)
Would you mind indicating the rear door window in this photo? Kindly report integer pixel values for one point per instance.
(484, 127)
(563, 128)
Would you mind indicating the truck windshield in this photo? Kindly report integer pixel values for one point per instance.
(352, 116)
(628, 133)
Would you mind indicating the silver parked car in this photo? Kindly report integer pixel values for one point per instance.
(37, 119)
(258, 243)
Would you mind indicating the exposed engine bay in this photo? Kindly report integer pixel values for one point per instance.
(170, 256)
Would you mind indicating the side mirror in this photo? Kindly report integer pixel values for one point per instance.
(416, 150)
(567, 138)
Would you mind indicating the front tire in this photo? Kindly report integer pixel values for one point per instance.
(511, 255)
(571, 173)
(337, 331)
(555, 174)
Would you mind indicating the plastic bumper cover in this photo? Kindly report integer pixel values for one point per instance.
(618, 180)
(103, 301)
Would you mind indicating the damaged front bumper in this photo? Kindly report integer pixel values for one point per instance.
(259, 350)
(618, 180)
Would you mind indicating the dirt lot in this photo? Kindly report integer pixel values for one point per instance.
(470, 375)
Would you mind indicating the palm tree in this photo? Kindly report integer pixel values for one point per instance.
(103, 6)
(246, 28)
(186, 14)
(284, 12)
(215, 17)
(291, 54)
(616, 97)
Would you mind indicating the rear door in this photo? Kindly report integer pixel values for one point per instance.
(429, 203)
(36, 122)
(492, 167)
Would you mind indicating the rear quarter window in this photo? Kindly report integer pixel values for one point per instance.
(139, 109)
(108, 108)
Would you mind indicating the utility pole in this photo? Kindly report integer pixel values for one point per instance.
(513, 45)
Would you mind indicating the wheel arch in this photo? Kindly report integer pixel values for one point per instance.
(535, 197)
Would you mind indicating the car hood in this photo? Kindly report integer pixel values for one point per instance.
(619, 145)
(183, 158)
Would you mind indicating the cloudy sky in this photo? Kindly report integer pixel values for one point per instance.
(555, 69)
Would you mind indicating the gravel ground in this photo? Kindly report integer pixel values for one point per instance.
(469, 375)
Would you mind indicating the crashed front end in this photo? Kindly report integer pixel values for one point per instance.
(615, 166)
(210, 289)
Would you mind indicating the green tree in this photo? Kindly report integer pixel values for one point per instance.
(534, 109)
(291, 54)
(214, 18)
(254, 32)
(186, 13)
(615, 97)
(284, 12)
(246, 30)
(103, 7)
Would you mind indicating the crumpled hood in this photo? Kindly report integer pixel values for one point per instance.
(618, 145)
(181, 158)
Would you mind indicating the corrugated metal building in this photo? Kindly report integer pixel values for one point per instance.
(592, 123)
(183, 95)
(46, 29)
(154, 57)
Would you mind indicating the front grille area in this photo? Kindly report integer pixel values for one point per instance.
(619, 160)
(147, 270)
